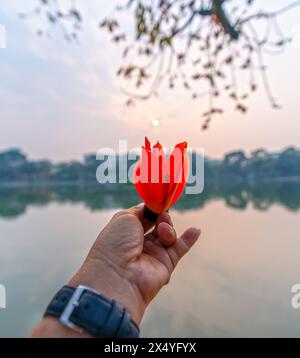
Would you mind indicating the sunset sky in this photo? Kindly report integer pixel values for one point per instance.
(60, 100)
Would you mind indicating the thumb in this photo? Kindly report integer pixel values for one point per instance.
(138, 211)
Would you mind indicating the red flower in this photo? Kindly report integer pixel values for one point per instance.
(159, 180)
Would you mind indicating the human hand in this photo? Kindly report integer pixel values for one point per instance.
(129, 264)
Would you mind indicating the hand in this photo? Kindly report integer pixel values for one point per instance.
(128, 263)
(131, 267)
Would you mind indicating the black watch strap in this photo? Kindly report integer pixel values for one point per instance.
(82, 308)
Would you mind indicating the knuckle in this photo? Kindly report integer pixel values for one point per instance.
(168, 279)
(127, 221)
(120, 213)
(130, 219)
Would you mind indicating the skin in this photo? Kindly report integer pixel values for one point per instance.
(130, 261)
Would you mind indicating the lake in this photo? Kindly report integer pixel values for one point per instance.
(235, 282)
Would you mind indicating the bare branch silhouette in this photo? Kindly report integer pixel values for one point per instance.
(204, 44)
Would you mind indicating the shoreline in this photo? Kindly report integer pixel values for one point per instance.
(113, 186)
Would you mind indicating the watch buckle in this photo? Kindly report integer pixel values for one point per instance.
(70, 307)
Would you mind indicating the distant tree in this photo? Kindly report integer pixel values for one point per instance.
(233, 165)
(235, 159)
(259, 154)
(288, 163)
(12, 158)
(72, 172)
(261, 164)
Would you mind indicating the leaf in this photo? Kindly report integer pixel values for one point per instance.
(246, 64)
(127, 72)
(240, 107)
(220, 74)
(229, 60)
(119, 72)
(51, 17)
(211, 80)
(208, 65)
(119, 38)
(130, 102)
(75, 14)
(196, 62)
(143, 73)
(166, 41)
(253, 87)
(111, 25)
(197, 76)
(126, 51)
(276, 106)
(181, 57)
(186, 85)
(154, 34)
(217, 111)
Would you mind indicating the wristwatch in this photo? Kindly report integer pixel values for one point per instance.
(84, 309)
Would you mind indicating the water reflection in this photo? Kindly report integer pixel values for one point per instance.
(15, 201)
(235, 282)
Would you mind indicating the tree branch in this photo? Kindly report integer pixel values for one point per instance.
(221, 15)
(261, 15)
(201, 12)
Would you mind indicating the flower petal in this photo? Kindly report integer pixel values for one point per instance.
(148, 182)
(178, 163)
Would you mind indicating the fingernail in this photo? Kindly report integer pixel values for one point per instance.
(169, 218)
(197, 231)
(172, 230)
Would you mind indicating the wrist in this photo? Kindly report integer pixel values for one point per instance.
(112, 284)
(50, 327)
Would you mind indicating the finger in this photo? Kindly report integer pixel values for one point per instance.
(138, 212)
(183, 245)
(156, 251)
(166, 234)
(163, 218)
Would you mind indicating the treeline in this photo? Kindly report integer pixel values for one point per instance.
(259, 166)
(236, 167)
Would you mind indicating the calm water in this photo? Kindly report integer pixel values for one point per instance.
(236, 282)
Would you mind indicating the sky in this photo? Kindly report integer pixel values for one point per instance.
(60, 100)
